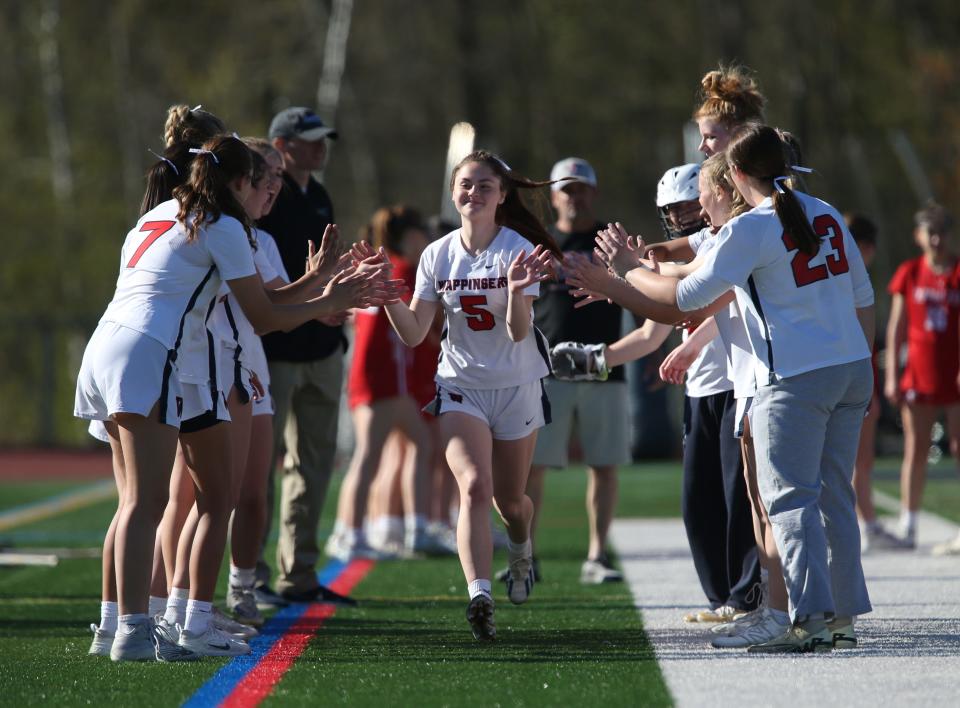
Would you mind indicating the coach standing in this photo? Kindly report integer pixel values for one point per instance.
(306, 364)
(600, 408)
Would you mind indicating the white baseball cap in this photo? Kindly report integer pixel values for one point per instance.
(576, 169)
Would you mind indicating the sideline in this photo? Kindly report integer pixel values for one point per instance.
(59, 504)
(909, 651)
(246, 680)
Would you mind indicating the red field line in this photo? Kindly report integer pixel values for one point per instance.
(37, 464)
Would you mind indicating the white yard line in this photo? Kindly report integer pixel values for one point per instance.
(909, 651)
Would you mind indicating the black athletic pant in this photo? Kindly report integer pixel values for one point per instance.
(716, 509)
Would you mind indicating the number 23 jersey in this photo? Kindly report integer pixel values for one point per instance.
(799, 310)
(475, 349)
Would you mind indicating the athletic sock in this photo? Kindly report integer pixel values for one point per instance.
(199, 614)
(131, 620)
(908, 521)
(415, 525)
(177, 606)
(157, 606)
(480, 586)
(242, 577)
(108, 616)
(519, 550)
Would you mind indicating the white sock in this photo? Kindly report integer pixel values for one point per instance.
(394, 528)
(242, 577)
(177, 606)
(780, 616)
(519, 550)
(908, 520)
(157, 606)
(199, 614)
(414, 522)
(352, 536)
(108, 616)
(479, 586)
(338, 527)
(764, 575)
(130, 621)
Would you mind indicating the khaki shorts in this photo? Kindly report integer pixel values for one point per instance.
(602, 422)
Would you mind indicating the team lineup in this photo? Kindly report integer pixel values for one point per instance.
(477, 350)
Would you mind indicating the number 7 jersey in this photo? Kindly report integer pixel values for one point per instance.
(799, 310)
(475, 349)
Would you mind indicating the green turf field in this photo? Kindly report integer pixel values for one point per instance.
(407, 643)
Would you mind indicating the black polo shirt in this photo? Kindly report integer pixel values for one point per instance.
(554, 312)
(297, 218)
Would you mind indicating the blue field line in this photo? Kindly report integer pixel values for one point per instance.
(222, 683)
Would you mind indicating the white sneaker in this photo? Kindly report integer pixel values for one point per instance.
(166, 638)
(133, 642)
(334, 545)
(728, 629)
(231, 626)
(102, 641)
(947, 548)
(765, 629)
(878, 538)
(432, 541)
(520, 580)
(596, 572)
(213, 642)
(243, 606)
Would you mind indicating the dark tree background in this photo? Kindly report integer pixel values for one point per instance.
(869, 87)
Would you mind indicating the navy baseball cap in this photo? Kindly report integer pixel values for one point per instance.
(302, 123)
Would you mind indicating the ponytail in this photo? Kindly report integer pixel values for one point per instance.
(206, 195)
(513, 213)
(169, 171)
(759, 152)
(190, 125)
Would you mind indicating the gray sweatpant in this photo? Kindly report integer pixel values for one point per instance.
(806, 429)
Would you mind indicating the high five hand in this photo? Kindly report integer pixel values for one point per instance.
(526, 270)
(590, 279)
(618, 249)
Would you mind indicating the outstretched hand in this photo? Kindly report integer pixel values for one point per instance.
(326, 260)
(590, 279)
(526, 270)
(618, 249)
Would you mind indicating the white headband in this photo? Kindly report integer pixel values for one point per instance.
(782, 178)
(168, 161)
(201, 151)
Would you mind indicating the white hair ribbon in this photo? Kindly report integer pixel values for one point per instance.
(503, 164)
(168, 161)
(781, 178)
(201, 151)
(196, 107)
(798, 168)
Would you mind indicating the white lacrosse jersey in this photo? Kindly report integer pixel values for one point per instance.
(740, 365)
(475, 349)
(168, 285)
(707, 374)
(799, 310)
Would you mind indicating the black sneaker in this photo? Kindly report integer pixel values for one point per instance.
(321, 593)
(502, 575)
(480, 617)
(267, 598)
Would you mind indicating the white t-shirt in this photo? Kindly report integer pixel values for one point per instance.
(167, 284)
(268, 245)
(736, 344)
(708, 374)
(800, 311)
(475, 350)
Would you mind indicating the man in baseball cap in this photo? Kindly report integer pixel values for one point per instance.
(301, 123)
(572, 169)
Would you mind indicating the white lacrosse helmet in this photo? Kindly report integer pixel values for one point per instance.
(678, 184)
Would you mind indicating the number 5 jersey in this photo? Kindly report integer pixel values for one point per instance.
(475, 349)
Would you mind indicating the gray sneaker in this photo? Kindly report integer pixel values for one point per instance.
(102, 641)
(243, 606)
(268, 599)
(797, 639)
(166, 639)
(521, 579)
(231, 626)
(133, 642)
(844, 636)
(480, 617)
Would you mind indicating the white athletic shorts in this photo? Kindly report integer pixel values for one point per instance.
(512, 413)
(231, 377)
(602, 421)
(126, 371)
(98, 430)
(198, 399)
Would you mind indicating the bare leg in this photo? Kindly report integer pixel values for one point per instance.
(208, 455)
(601, 504)
(108, 590)
(250, 516)
(372, 425)
(175, 516)
(469, 452)
(535, 486)
(511, 466)
(918, 421)
(863, 468)
(148, 451)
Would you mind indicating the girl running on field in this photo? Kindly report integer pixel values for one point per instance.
(490, 400)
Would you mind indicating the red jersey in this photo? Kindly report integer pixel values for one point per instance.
(931, 303)
(383, 366)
